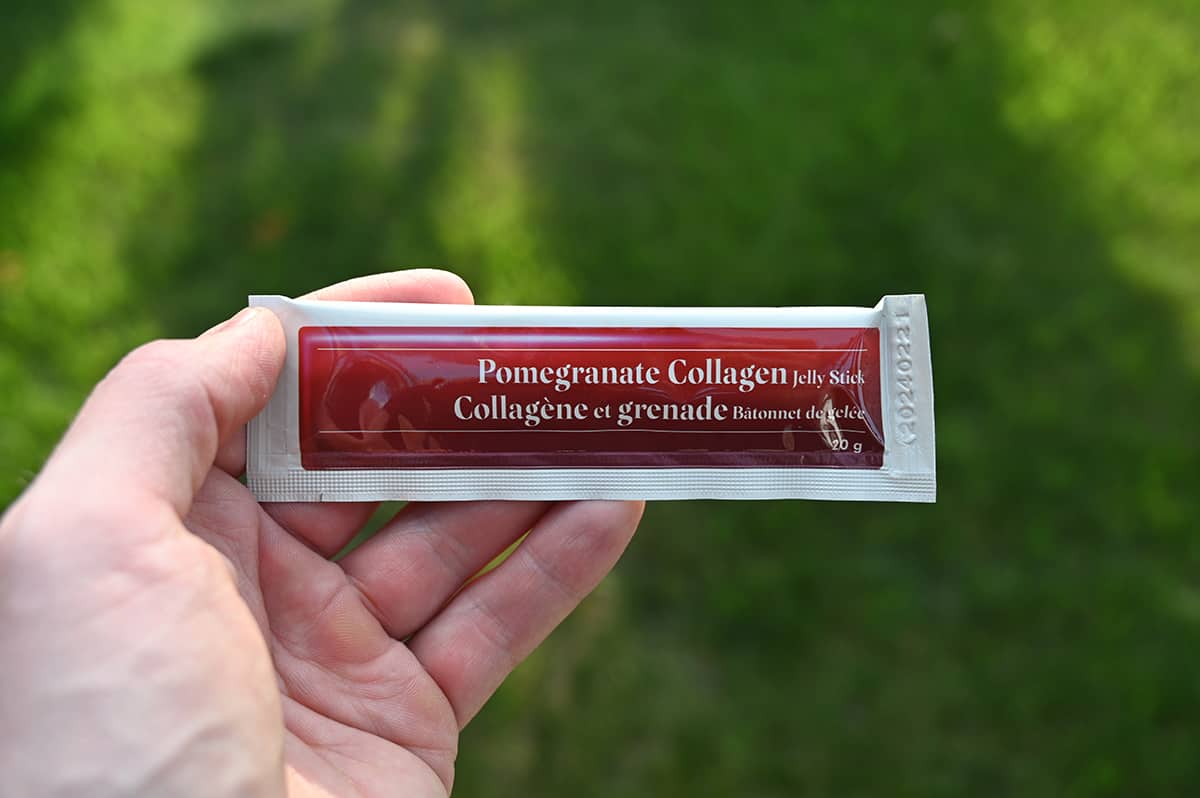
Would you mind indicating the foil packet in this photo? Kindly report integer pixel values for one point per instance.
(383, 401)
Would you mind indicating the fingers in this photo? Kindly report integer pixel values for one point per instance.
(325, 527)
(152, 427)
(314, 612)
(414, 565)
(333, 657)
(412, 285)
(493, 624)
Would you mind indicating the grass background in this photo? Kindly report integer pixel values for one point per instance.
(1033, 167)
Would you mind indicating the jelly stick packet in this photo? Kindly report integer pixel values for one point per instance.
(448, 402)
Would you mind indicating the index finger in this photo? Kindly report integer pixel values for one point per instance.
(411, 285)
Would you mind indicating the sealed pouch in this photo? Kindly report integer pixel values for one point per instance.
(448, 402)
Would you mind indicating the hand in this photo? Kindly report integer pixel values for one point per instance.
(161, 633)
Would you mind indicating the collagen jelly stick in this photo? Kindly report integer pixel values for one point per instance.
(447, 402)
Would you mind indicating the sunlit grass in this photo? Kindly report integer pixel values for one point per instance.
(1113, 95)
(96, 124)
(486, 206)
(71, 302)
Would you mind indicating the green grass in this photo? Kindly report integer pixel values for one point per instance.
(1033, 167)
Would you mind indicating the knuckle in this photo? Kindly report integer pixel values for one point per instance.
(155, 356)
(609, 524)
(165, 372)
(157, 369)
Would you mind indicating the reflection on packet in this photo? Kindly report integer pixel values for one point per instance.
(449, 402)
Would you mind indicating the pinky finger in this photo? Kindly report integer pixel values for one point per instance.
(496, 621)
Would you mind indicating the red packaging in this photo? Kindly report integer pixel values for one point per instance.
(383, 401)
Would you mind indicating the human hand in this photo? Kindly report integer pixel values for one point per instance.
(162, 633)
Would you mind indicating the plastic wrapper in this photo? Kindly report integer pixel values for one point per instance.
(452, 402)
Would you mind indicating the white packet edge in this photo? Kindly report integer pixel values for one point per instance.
(274, 473)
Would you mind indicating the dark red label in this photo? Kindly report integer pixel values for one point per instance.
(385, 397)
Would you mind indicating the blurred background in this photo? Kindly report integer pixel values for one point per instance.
(1033, 167)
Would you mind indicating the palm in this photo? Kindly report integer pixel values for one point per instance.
(344, 683)
(363, 712)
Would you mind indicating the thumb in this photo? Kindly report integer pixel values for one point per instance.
(151, 428)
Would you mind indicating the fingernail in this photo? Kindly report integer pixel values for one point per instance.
(243, 316)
